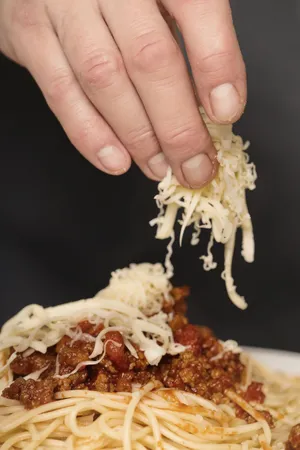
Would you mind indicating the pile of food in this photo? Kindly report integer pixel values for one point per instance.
(113, 373)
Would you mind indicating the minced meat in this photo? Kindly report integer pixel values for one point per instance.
(195, 370)
(293, 442)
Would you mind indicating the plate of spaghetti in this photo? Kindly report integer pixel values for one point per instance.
(127, 370)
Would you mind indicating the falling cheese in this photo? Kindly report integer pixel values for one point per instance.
(220, 206)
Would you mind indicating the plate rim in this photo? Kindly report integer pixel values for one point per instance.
(250, 348)
(280, 361)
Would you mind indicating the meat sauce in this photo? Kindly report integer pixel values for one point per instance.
(195, 370)
(293, 442)
(255, 393)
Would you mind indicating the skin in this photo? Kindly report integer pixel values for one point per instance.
(114, 76)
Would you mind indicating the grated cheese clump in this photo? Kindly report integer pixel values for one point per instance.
(220, 206)
(144, 286)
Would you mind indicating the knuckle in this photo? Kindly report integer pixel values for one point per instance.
(184, 141)
(99, 70)
(153, 53)
(216, 63)
(181, 137)
(140, 137)
(59, 86)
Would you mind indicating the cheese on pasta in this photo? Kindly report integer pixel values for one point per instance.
(144, 286)
(132, 304)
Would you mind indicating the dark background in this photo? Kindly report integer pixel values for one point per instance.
(64, 226)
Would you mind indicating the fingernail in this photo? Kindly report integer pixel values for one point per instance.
(158, 165)
(197, 170)
(112, 159)
(225, 102)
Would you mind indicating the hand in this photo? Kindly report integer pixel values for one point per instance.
(115, 78)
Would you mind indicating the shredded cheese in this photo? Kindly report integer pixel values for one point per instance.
(36, 375)
(144, 286)
(220, 206)
(38, 328)
(227, 346)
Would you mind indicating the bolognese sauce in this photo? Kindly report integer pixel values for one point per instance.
(203, 368)
(293, 442)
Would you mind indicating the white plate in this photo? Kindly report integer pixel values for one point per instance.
(279, 360)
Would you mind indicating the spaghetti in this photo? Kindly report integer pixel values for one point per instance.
(85, 381)
(151, 419)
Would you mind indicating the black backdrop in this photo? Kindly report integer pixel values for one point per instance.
(64, 226)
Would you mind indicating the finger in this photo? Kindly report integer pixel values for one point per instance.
(86, 129)
(214, 54)
(157, 69)
(98, 65)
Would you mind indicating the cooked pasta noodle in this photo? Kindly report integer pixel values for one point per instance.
(153, 418)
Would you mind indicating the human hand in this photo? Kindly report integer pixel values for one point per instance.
(115, 78)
